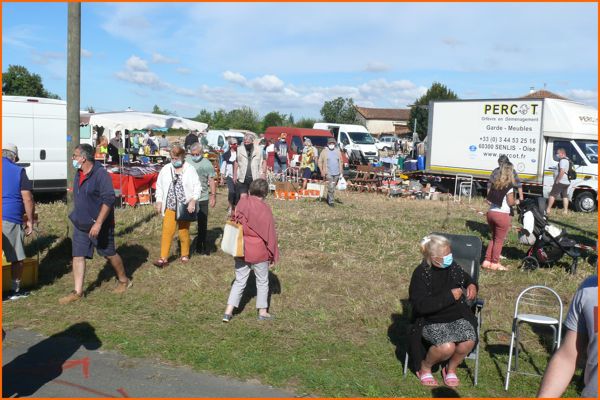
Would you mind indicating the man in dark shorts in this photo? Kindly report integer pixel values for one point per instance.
(93, 221)
(561, 182)
(16, 200)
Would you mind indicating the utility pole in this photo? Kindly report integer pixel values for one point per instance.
(73, 90)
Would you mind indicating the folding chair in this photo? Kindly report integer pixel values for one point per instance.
(536, 305)
(466, 251)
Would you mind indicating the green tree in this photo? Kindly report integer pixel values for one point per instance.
(220, 120)
(339, 111)
(18, 81)
(273, 118)
(243, 118)
(420, 110)
(204, 116)
(305, 123)
(157, 110)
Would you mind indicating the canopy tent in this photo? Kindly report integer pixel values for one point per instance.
(130, 120)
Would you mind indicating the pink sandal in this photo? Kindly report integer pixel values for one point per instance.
(427, 379)
(450, 378)
(184, 259)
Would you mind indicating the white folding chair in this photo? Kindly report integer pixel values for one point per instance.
(536, 305)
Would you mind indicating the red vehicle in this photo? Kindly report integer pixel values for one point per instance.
(295, 139)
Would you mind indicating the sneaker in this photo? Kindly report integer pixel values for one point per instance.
(266, 317)
(122, 286)
(12, 295)
(227, 317)
(70, 298)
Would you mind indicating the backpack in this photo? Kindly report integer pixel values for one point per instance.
(571, 173)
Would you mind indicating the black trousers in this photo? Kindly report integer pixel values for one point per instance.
(201, 244)
(242, 187)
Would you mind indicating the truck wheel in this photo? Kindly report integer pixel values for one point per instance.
(585, 202)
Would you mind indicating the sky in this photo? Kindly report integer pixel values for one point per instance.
(292, 57)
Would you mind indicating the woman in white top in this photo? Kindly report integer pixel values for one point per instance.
(177, 182)
(501, 198)
(229, 158)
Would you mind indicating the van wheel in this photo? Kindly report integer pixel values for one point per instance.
(585, 202)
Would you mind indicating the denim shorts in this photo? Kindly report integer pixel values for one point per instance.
(83, 245)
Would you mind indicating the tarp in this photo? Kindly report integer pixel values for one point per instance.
(569, 120)
(131, 120)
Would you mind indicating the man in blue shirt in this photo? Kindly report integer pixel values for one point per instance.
(93, 220)
(16, 200)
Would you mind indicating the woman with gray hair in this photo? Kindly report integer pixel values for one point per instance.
(439, 291)
(260, 249)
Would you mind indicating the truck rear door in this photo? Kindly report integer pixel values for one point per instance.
(50, 147)
(17, 128)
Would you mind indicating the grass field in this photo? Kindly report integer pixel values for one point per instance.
(337, 294)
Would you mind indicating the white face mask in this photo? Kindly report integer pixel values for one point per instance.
(331, 146)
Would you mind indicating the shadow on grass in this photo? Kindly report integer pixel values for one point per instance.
(250, 290)
(397, 331)
(481, 228)
(444, 392)
(56, 263)
(43, 362)
(212, 235)
(39, 244)
(129, 229)
(134, 256)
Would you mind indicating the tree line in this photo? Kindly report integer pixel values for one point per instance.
(18, 81)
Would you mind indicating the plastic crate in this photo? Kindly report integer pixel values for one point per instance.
(30, 274)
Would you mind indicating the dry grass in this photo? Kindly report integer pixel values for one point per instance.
(337, 294)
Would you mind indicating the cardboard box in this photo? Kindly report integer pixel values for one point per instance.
(29, 278)
(317, 186)
(286, 186)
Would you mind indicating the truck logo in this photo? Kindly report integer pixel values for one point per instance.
(586, 119)
(473, 147)
(510, 109)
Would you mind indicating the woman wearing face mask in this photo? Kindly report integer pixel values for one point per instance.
(228, 160)
(177, 182)
(439, 291)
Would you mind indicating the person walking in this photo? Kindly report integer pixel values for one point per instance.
(250, 165)
(499, 216)
(177, 182)
(261, 250)
(561, 182)
(270, 155)
(208, 195)
(331, 167)
(228, 160)
(114, 145)
(163, 143)
(190, 139)
(93, 221)
(16, 200)
(444, 328)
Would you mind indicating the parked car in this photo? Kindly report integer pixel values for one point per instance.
(385, 143)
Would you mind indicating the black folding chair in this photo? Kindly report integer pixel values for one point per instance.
(466, 251)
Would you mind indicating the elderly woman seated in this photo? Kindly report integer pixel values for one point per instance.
(444, 327)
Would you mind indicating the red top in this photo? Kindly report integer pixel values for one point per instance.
(82, 177)
(260, 238)
(271, 159)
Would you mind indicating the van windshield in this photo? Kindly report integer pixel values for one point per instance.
(590, 149)
(318, 141)
(361, 137)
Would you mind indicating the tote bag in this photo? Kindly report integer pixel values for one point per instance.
(233, 239)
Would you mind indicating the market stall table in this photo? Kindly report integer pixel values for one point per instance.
(134, 180)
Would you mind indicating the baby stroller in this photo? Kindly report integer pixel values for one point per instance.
(548, 242)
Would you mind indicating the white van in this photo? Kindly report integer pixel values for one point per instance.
(355, 140)
(217, 139)
(38, 127)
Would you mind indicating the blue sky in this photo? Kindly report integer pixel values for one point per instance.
(291, 57)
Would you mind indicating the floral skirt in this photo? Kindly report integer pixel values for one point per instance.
(446, 332)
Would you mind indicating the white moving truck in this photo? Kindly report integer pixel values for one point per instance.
(468, 136)
(355, 140)
(217, 139)
(38, 127)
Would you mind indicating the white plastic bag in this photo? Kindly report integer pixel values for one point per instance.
(341, 184)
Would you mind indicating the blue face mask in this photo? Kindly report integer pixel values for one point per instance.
(196, 158)
(447, 261)
(177, 163)
(76, 164)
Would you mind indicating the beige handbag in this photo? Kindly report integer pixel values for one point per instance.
(233, 239)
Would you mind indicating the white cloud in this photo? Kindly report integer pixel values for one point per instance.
(377, 67)
(158, 58)
(452, 42)
(86, 53)
(267, 83)
(183, 71)
(46, 57)
(583, 95)
(234, 77)
(135, 63)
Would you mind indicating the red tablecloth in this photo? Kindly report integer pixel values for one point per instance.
(133, 185)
